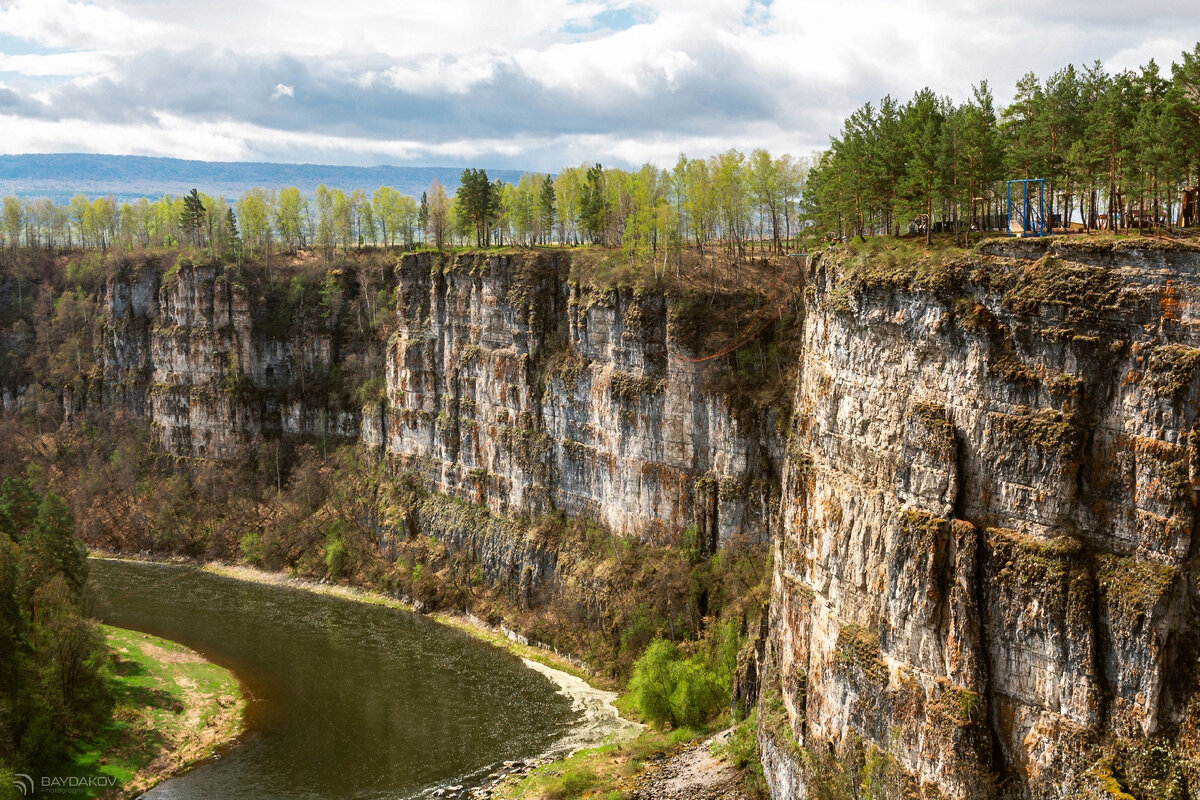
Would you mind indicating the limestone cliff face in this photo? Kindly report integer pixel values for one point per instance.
(984, 572)
(985, 578)
(512, 388)
(186, 352)
(505, 385)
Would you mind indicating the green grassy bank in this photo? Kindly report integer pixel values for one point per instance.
(172, 709)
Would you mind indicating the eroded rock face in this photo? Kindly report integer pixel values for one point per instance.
(511, 388)
(985, 574)
(506, 386)
(186, 353)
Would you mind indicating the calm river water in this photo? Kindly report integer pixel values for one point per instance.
(348, 700)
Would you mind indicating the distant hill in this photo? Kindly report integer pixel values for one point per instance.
(61, 175)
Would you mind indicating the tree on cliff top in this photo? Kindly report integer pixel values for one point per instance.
(478, 201)
(191, 219)
(437, 217)
(593, 206)
(925, 116)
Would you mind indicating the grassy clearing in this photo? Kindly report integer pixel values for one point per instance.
(604, 772)
(172, 709)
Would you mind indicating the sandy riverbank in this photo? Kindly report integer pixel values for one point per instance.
(601, 722)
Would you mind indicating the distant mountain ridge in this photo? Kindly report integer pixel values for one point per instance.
(61, 175)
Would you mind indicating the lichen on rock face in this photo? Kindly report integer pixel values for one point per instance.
(1171, 370)
(491, 376)
(991, 476)
(857, 653)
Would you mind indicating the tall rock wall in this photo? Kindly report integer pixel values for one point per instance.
(510, 387)
(194, 352)
(985, 580)
(984, 572)
(505, 385)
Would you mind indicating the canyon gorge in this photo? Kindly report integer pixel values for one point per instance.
(977, 479)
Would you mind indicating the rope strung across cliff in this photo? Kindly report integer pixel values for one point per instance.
(764, 316)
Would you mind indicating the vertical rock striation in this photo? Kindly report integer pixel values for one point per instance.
(985, 578)
(195, 353)
(510, 387)
(505, 385)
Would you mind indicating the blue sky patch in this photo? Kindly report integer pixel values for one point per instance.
(16, 46)
(613, 19)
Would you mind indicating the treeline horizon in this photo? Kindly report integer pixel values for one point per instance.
(729, 198)
(1115, 150)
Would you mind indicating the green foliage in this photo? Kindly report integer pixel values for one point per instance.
(372, 390)
(478, 203)
(653, 681)
(594, 207)
(1120, 146)
(251, 548)
(331, 295)
(52, 657)
(336, 559)
(191, 219)
(573, 783)
(670, 687)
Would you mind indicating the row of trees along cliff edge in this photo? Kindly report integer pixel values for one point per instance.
(1113, 148)
(738, 200)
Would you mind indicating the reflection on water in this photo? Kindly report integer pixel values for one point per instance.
(346, 699)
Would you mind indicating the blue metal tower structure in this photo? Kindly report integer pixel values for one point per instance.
(1027, 211)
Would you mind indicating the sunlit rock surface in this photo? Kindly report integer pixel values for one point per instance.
(985, 580)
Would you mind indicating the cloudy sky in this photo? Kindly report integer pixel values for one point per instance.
(529, 84)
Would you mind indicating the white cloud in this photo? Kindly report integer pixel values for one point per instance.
(1163, 49)
(80, 25)
(435, 76)
(70, 64)
(462, 79)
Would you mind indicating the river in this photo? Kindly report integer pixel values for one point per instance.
(346, 699)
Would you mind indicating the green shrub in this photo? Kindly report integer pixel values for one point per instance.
(653, 681)
(699, 692)
(335, 556)
(251, 548)
(372, 390)
(671, 688)
(574, 783)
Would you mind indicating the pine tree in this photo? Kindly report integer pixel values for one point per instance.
(478, 203)
(192, 218)
(423, 214)
(593, 206)
(232, 239)
(923, 120)
(546, 206)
